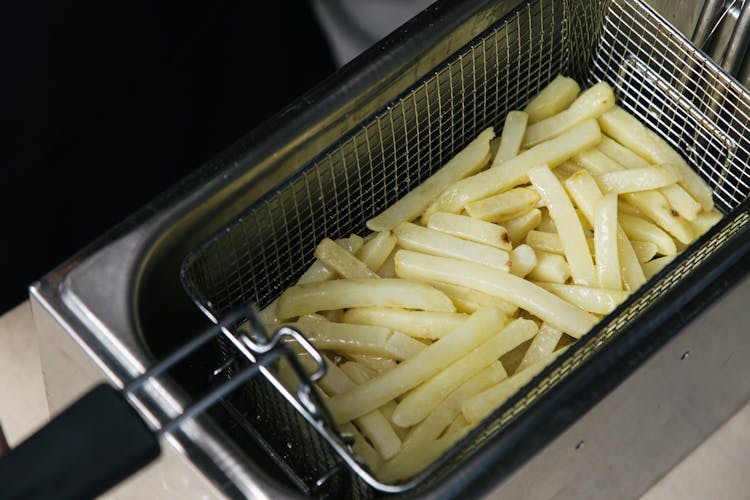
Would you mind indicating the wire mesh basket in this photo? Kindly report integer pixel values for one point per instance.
(657, 75)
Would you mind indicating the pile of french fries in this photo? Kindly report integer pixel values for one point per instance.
(478, 278)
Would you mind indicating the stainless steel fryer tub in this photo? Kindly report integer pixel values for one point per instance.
(121, 300)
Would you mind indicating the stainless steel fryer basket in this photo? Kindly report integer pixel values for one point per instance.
(658, 76)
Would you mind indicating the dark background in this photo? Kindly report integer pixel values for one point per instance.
(106, 104)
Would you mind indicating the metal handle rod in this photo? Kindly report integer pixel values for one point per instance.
(179, 354)
(219, 393)
(734, 55)
(709, 19)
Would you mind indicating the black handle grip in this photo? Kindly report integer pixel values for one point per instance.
(91, 446)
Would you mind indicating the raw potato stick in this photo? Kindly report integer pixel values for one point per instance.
(628, 131)
(656, 207)
(421, 239)
(638, 179)
(344, 293)
(471, 229)
(374, 253)
(605, 242)
(504, 206)
(550, 242)
(373, 424)
(430, 428)
(569, 227)
(585, 193)
(541, 346)
(550, 268)
(522, 260)
(470, 301)
(594, 300)
(512, 136)
(518, 291)
(358, 339)
(345, 264)
(479, 406)
(519, 227)
(425, 398)
(643, 230)
(552, 99)
(590, 104)
(678, 198)
(466, 162)
(514, 172)
(315, 273)
(644, 250)
(410, 373)
(423, 324)
(651, 268)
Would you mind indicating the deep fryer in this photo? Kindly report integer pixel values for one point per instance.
(243, 227)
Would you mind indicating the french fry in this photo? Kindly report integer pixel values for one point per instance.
(550, 268)
(425, 398)
(622, 155)
(512, 136)
(569, 227)
(421, 456)
(387, 270)
(470, 301)
(565, 170)
(412, 372)
(520, 226)
(423, 324)
(678, 198)
(585, 193)
(550, 242)
(542, 345)
(345, 293)
(643, 230)
(318, 272)
(376, 363)
(359, 374)
(705, 221)
(315, 273)
(593, 300)
(656, 207)
(652, 267)
(342, 262)
(552, 99)
(513, 289)
(359, 339)
(372, 424)
(362, 448)
(547, 225)
(471, 229)
(522, 260)
(466, 162)
(681, 201)
(628, 131)
(591, 103)
(605, 242)
(374, 253)
(430, 428)
(514, 172)
(638, 179)
(421, 239)
(480, 405)
(504, 206)
(596, 162)
(644, 250)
